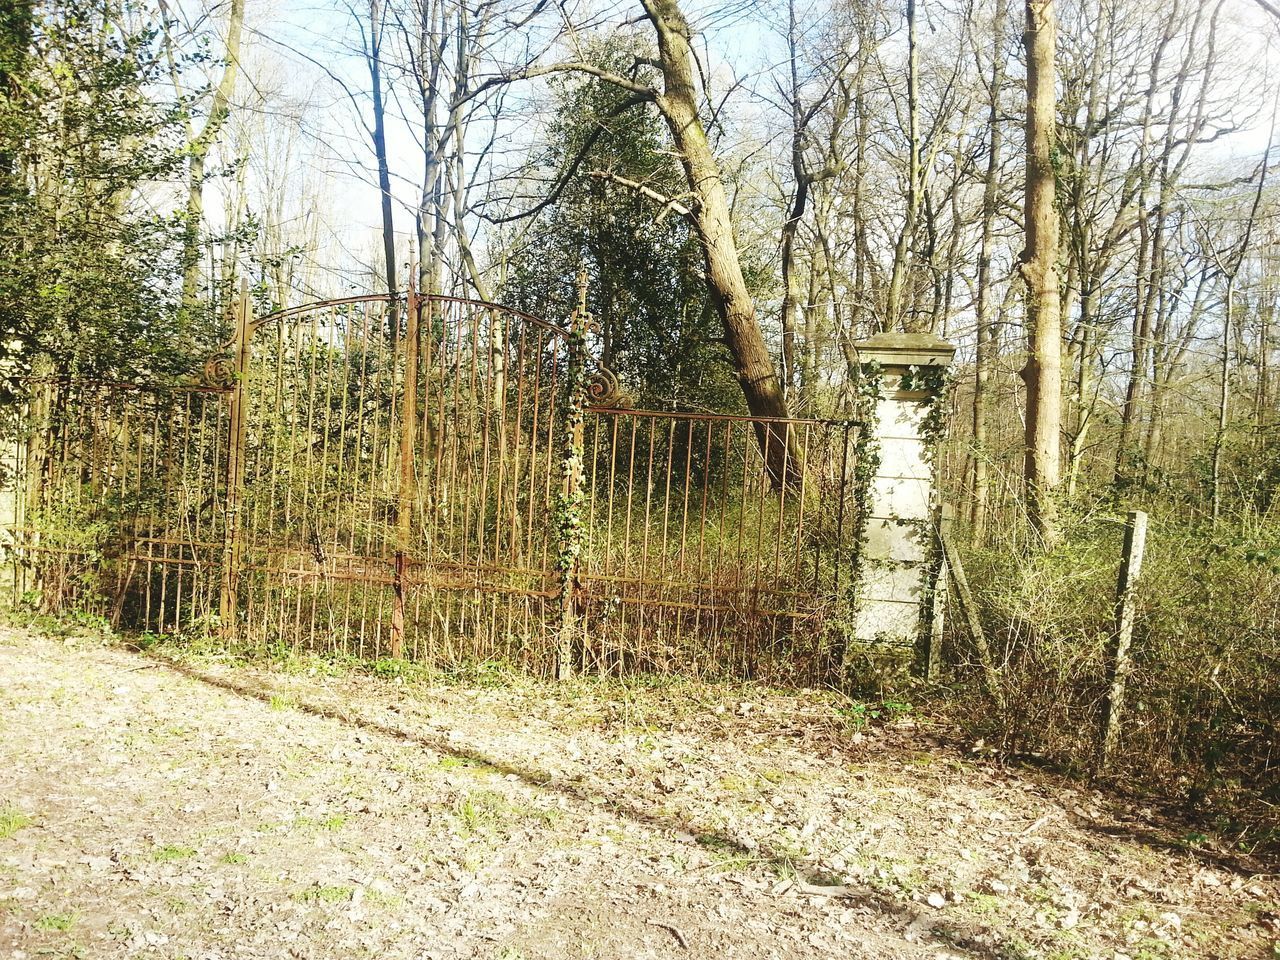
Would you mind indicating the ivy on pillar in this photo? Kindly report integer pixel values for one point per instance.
(905, 375)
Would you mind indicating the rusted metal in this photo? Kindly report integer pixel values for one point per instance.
(388, 476)
(237, 387)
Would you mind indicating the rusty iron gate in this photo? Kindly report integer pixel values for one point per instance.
(440, 479)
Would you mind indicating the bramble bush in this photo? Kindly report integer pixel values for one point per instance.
(1203, 700)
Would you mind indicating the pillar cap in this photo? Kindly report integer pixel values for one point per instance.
(905, 350)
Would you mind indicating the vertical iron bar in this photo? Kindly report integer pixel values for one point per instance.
(234, 493)
(407, 495)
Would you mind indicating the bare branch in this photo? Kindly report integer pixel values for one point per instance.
(573, 66)
(1271, 8)
(668, 203)
(587, 146)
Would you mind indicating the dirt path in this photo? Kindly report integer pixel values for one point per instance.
(214, 810)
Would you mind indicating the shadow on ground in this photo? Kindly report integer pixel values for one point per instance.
(974, 940)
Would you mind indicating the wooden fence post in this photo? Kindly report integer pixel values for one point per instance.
(573, 471)
(407, 494)
(1119, 662)
(228, 595)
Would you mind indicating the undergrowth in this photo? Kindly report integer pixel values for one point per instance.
(1203, 701)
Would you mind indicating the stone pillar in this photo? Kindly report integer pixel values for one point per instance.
(892, 591)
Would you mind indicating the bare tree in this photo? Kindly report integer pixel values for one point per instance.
(373, 54)
(1229, 263)
(983, 308)
(199, 142)
(1043, 370)
(915, 173)
(833, 97)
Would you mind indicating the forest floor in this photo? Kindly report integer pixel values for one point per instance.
(201, 807)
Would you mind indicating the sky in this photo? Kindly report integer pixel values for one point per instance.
(305, 57)
(307, 54)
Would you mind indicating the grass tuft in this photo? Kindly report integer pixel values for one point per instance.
(321, 893)
(60, 922)
(169, 853)
(11, 821)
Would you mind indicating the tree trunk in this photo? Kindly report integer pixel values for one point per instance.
(902, 250)
(792, 222)
(986, 329)
(1262, 394)
(1084, 383)
(198, 153)
(725, 283)
(431, 41)
(1224, 391)
(1134, 390)
(16, 26)
(942, 317)
(814, 329)
(1224, 407)
(380, 144)
(1043, 371)
(863, 279)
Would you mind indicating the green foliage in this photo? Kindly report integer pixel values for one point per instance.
(1251, 472)
(659, 331)
(933, 381)
(400, 669)
(861, 715)
(11, 821)
(56, 922)
(170, 852)
(86, 271)
(569, 510)
(324, 894)
(866, 463)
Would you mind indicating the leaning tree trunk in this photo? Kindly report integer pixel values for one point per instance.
(1043, 371)
(710, 214)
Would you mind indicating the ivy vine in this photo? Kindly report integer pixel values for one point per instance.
(569, 510)
(866, 465)
(932, 381)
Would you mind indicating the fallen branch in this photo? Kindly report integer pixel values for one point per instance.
(1037, 825)
(990, 677)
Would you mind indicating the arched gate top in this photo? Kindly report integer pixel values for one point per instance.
(306, 308)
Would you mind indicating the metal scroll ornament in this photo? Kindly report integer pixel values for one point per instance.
(605, 390)
(219, 371)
